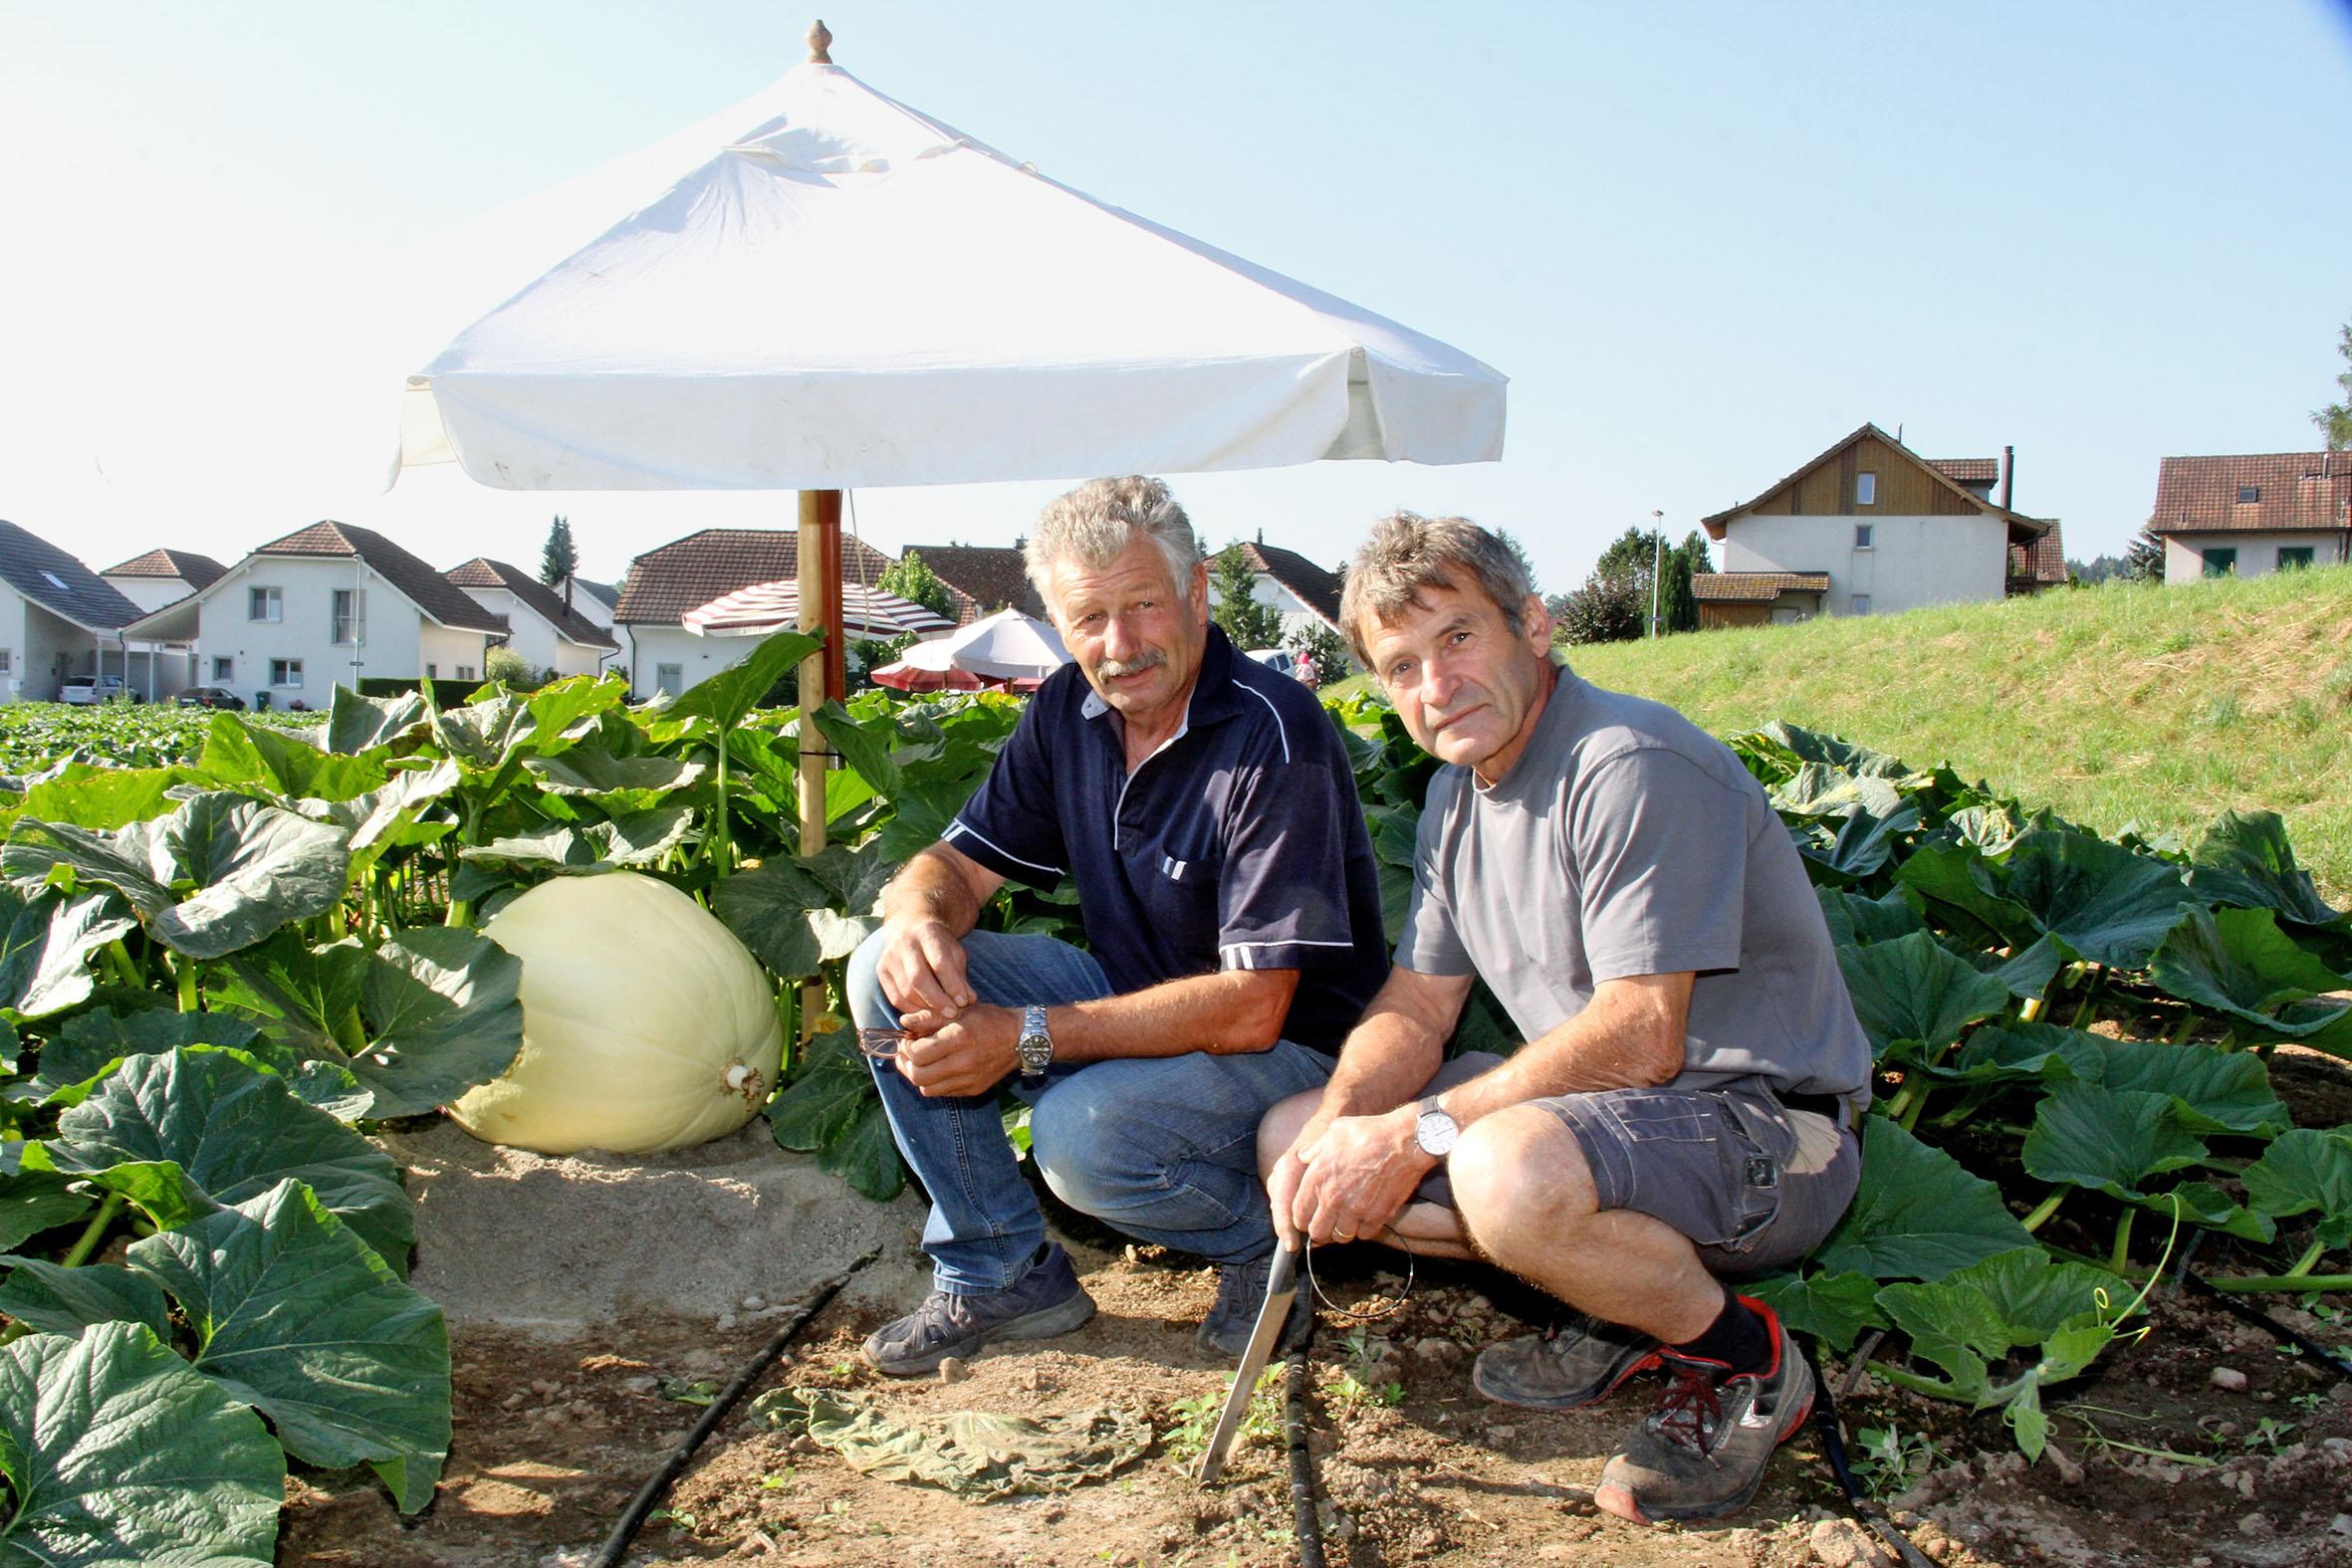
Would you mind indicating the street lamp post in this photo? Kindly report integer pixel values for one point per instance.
(1657, 561)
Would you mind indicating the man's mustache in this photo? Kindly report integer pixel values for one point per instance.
(1112, 670)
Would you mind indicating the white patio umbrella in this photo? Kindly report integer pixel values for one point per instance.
(764, 607)
(823, 288)
(1006, 646)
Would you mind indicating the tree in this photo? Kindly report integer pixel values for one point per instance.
(2143, 560)
(1314, 640)
(561, 558)
(912, 577)
(2335, 420)
(1630, 558)
(1606, 609)
(1249, 623)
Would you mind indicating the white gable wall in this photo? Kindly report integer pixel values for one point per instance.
(150, 593)
(2257, 553)
(1911, 561)
(395, 644)
(697, 658)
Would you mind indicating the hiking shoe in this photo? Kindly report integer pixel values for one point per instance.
(1572, 1363)
(1241, 1292)
(1046, 1301)
(1702, 1453)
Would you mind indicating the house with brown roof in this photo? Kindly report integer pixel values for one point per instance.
(326, 605)
(1866, 528)
(1302, 592)
(2251, 516)
(543, 631)
(159, 577)
(982, 579)
(687, 574)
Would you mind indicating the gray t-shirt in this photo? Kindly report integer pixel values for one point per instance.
(1625, 840)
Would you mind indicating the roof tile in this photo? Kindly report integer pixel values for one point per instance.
(431, 592)
(2292, 490)
(664, 583)
(1754, 587)
(60, 583)
(546, 602)
(197, 571)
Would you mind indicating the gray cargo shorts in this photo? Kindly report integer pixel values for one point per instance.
(1754, 1185)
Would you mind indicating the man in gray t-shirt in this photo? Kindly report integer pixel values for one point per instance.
(1683, 1110)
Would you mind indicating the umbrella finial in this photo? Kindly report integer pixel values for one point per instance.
(821, 42)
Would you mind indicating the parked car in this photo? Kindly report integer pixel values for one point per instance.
(1278, 660)
(207, 697)
(83, 690)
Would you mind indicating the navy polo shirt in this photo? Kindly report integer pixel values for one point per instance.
(1238, 844)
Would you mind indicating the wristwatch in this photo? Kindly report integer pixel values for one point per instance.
(1035, 1045)
(1434, 1130)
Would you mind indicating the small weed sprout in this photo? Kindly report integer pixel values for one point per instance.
(1886, 1461)
(1192, 1419)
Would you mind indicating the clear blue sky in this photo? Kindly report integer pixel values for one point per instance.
(1703, 241)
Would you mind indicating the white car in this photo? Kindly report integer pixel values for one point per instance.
(83, 690)
(1278, 660)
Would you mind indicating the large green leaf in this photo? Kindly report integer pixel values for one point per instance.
(1918, 1215)
(2245, 861)
(180, 1133)
(251, 867)
(418, 1022)
(2025, 1052)
(357, 724)
(725, 698)
(104, 799)
(2087, 1135)
(1821, 790)
(1961, 879)
(1854, 844)
(2204, 1204)
(295, 1314)
(243, 755)
(589, 849)
(1835, 1307)
(387, 816)
(120, 1456)
(1862, 921)
(1914, 996)
(2212, 1091)
(620, 784)
(2013, 1298)
(2027, 973)
(1793, 746)
(832, 1110)
(786, 916)
(2109, 905)
(2305, 1170)
(46, 944)
(55, 1300)
(92, 1041)
(32, 1202)
(2236, 962)
(566, 710)
(866, 748)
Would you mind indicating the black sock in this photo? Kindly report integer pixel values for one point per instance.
(1737, 1338)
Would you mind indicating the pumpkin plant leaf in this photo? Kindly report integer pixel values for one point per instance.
(2303, 1170)
(46, 941)
(32, 1202)
(2109, 905)
(2237, 963)
(2212, 1091)
(725, 698)
(117, 1451)
(241, 754)
(184, 1133)
(55, 1300)
(1837, 1307)
(1919, 1214)
(1914, 991)
(2089, 1135)
(2023, 1054)
(296, 1316)
(2245, 861)
(357, 724)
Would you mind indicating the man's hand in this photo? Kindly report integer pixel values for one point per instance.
(970, 1054)
(1354, 1177)
(921, 969)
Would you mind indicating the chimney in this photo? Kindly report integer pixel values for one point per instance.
(2008, 476)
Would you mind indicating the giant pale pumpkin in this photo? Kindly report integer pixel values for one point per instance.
(647, 1024)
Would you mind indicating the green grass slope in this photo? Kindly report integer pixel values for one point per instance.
(2114, 706)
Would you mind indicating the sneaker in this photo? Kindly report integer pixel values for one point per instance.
(1046, 1301)
(1702, 1453)
(1572, 1363)
(1241, 1292)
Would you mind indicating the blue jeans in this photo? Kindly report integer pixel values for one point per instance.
(1162, 1148)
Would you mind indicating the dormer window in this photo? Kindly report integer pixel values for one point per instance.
(1865, 490)
(2249, 494)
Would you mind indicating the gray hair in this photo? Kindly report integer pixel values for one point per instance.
(1099, 519)
(1408, 553)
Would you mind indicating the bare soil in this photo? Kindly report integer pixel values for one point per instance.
(2203, 1445)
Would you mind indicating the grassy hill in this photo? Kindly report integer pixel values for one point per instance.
(2117, 705)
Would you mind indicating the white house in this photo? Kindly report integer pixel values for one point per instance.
(1868, 527)
(2250, 516)
(594, 602)
(544, 633)
(687, 574)
(58, 619)
(152, 580)
(329, 604)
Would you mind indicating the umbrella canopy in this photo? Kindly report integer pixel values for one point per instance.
(1005, 646)
(907, 677)
(764, 607)
(823, 289)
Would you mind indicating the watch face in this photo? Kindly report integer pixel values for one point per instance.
(1435, 1132)
(1034, 1051)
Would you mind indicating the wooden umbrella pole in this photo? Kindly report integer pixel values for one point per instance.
(818, 553)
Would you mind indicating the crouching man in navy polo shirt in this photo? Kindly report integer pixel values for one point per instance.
(1204, 807)
(1681, 1113)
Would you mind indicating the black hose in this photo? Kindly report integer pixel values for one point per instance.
(616, 1545)
(2262, 1320)
(1304, 1521)
(1833, 1450)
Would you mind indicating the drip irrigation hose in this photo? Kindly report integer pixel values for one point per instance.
(1304, 1521)
(616, 1545)
(1833, 1450)
(2333, 1360)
